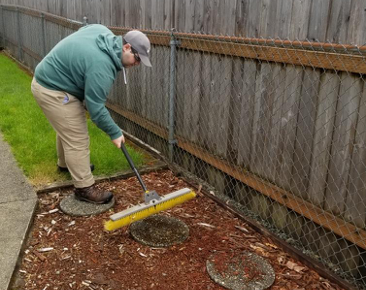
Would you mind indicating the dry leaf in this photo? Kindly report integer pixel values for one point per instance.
(271, 245)
(260, 249)
(294, 266)
(327, 285)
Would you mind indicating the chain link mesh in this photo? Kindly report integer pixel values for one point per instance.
(278, 127)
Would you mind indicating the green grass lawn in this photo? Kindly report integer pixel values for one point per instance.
(32, 138)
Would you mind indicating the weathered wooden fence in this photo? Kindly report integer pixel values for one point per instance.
(277, 125)
(341, 21)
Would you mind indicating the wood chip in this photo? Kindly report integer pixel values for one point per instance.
(45, 249)
(206, 225)
(187, 215)
(242, 229)
(53, 210)
(39, 256)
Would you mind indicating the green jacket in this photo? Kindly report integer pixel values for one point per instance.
(85, 64)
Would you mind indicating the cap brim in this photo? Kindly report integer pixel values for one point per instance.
(145, 60)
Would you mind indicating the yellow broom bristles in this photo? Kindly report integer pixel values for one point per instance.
(153, 209)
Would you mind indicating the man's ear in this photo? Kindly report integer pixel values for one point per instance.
(127, 46)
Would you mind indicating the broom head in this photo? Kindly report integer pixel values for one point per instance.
(144, 210)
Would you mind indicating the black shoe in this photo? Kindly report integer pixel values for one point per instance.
(65, 169)
(93, 194)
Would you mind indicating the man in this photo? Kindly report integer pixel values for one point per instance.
(81, 68)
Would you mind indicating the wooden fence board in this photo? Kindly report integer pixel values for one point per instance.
(223, 120)
(105, 13)
(151, 96)
(188, 21)
(166, 85)
(338, 21)
(304, 131)
(179, 15)
(181, 95)
(271, 21)
(264, 17)
(126, 15)
(119, 11)
(357, 23)
(226, 16)
(241, 15)
(157, 12)
(234, 110)
(253, 19)
(246, 115)
(206, 92)
(273, 145)
(318, 19)
(327, 102)
(218, 106)
(168, 7)
(144, 92)
(289, 114)
(283, 20)
(342, 143)
(261, 122)
(70, 9)
(300, 19)
(191, 96)
(208, 16)
(356, 197)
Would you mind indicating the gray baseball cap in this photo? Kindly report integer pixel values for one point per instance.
(140, 43)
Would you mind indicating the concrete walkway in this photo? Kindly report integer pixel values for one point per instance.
(17, 204)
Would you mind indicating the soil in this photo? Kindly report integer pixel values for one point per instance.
(65, 252)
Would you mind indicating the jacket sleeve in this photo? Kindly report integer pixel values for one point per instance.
(97, 87)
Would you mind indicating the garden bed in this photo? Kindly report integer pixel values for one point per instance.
(66, 252)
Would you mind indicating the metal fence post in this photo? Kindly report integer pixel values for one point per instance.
(43, 35)
(173, 51)
(20, 52)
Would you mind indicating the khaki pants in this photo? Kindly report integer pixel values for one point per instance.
(67, 117)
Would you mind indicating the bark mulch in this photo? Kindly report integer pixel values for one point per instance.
(66, 252)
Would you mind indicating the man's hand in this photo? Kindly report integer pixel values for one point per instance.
(117, 142)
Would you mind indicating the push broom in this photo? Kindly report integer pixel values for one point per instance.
(152, 205)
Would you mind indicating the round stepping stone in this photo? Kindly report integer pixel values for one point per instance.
(74, 207)
(159, 231)
(240, 271)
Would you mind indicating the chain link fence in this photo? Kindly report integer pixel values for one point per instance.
(277, 127)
